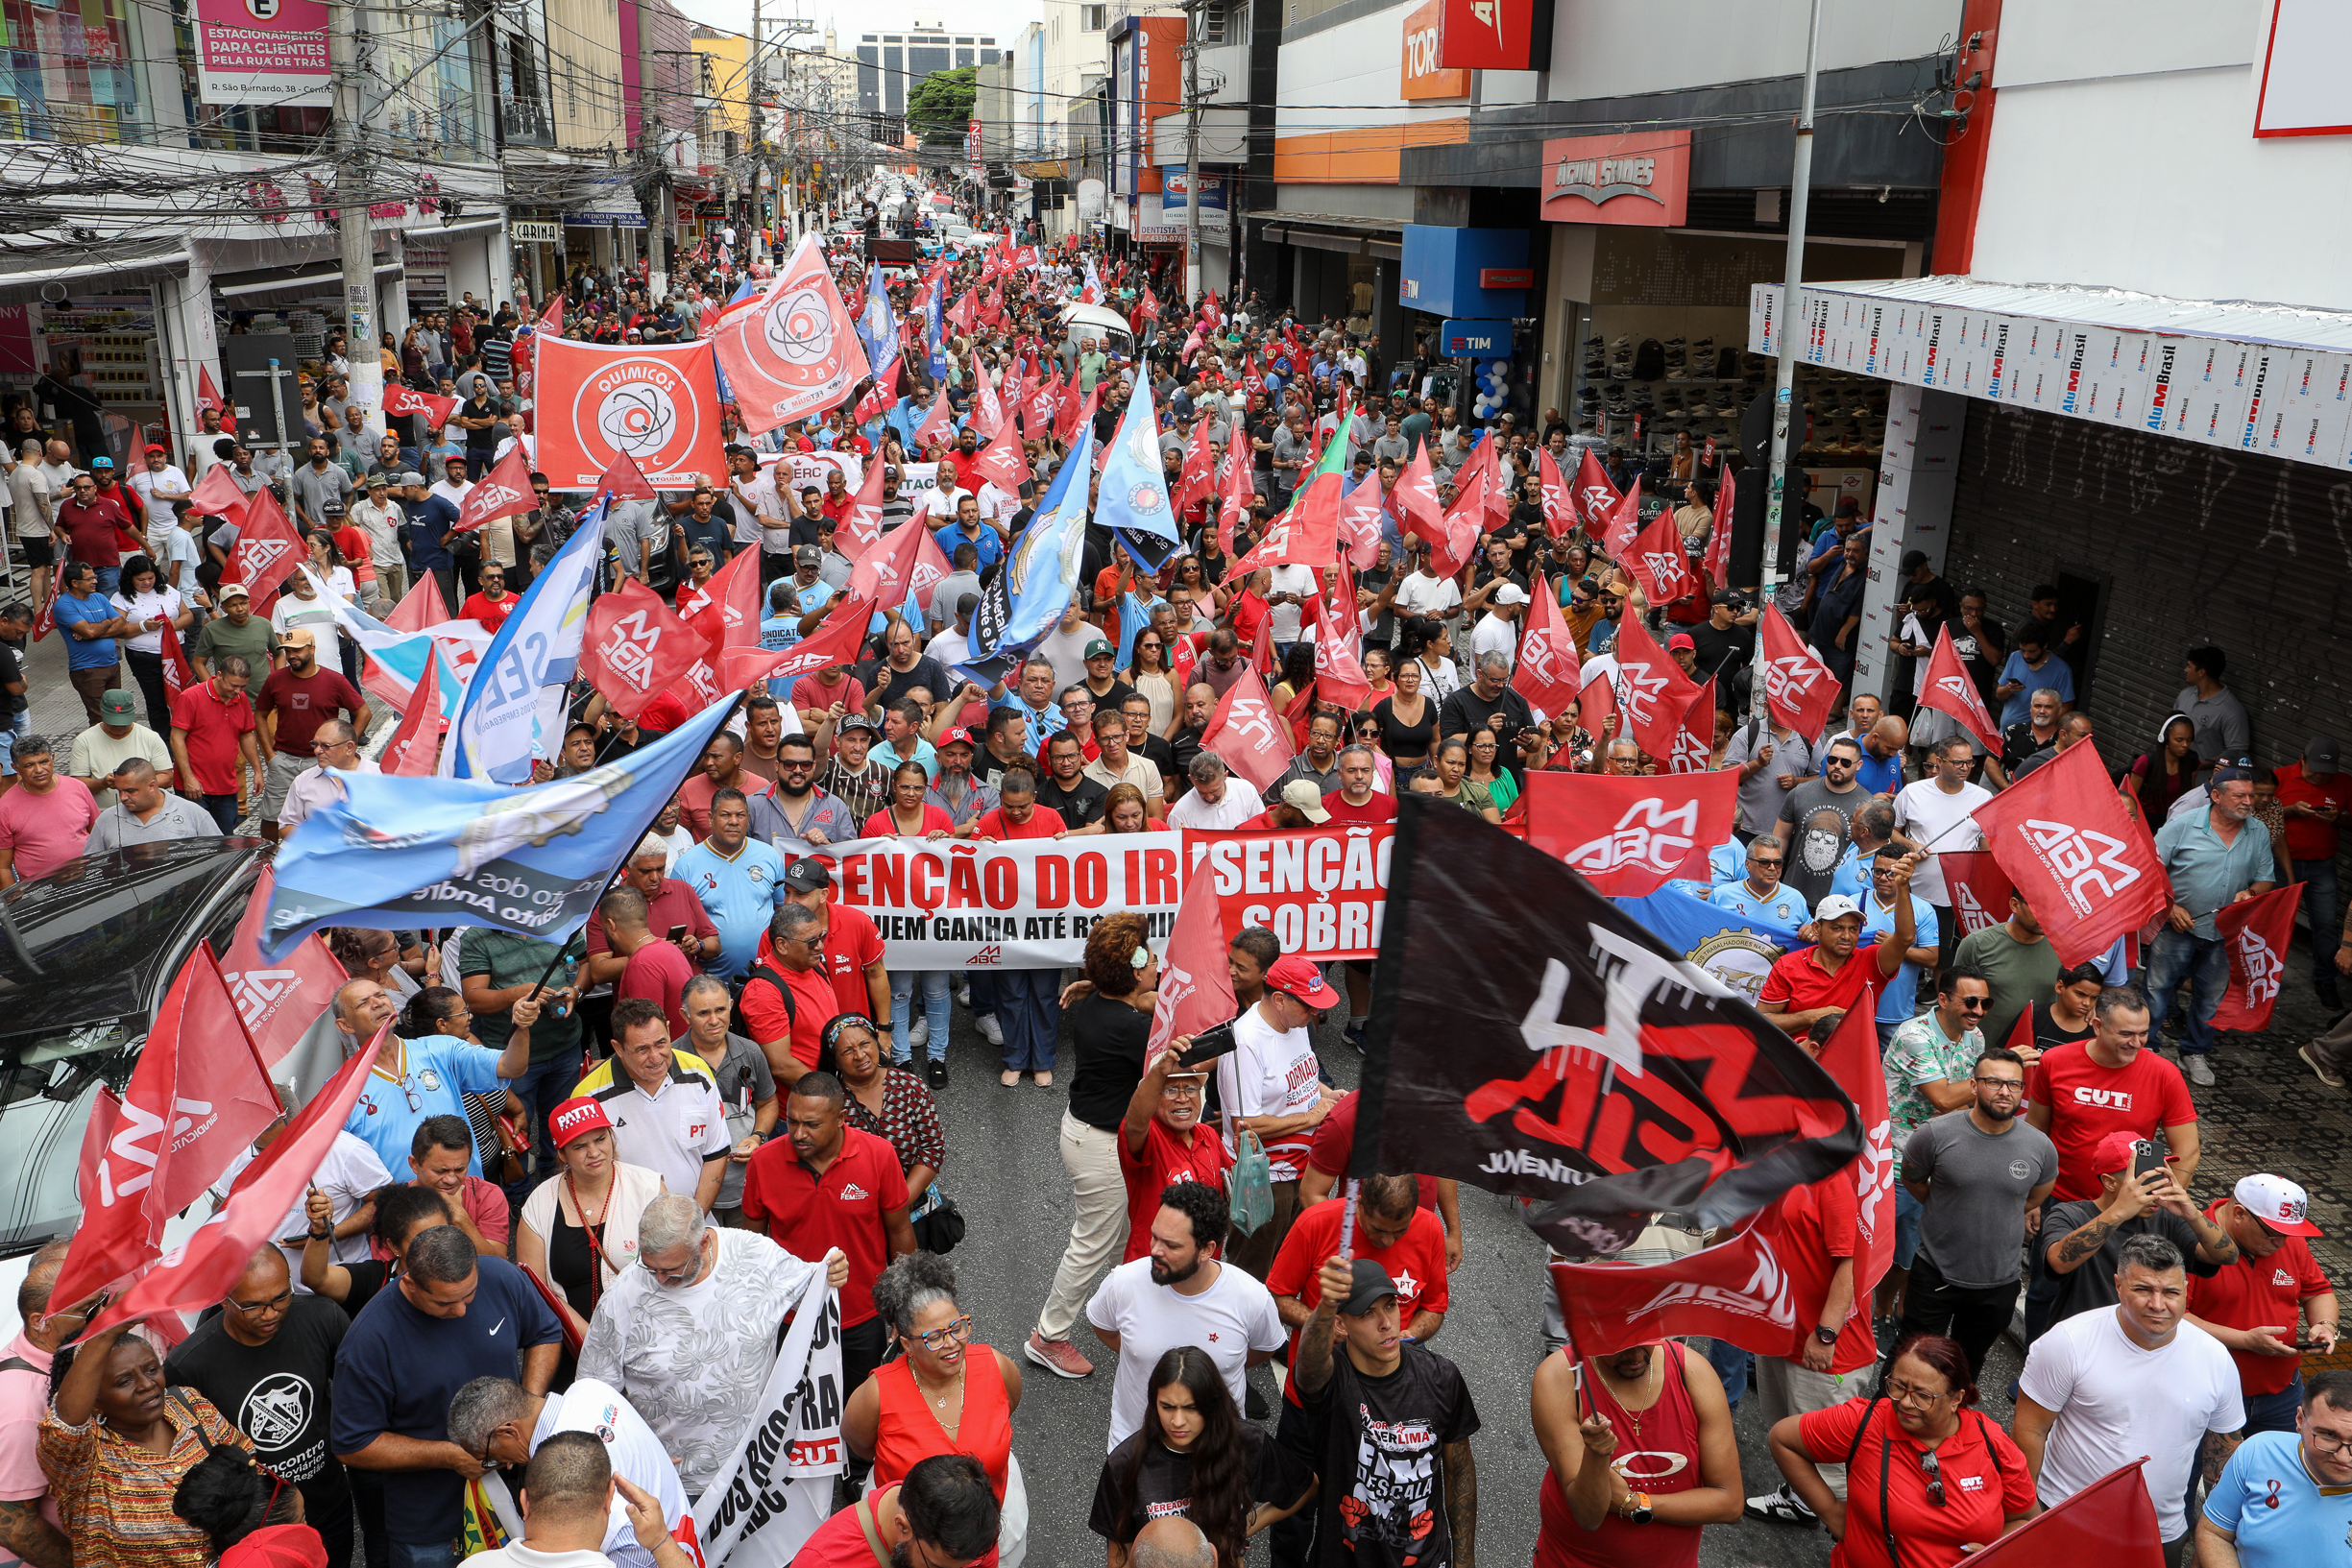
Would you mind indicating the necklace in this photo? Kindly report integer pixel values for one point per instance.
(593, 1229)
(940, 1401)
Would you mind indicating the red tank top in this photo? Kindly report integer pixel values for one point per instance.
(1662, 1457)
(909, 1430)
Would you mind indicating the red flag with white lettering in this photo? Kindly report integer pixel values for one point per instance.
(504, 492)
(1339, 630)
(2073, 853)
(1199, 476)
(1979, 888)
(1246, 732)
(208, 395)
(836, 641)
(278, 1000)
(725, 613)
(1546, 673)
(1659, 563)
(1558, 502)
(1631, 836)
(635, 647)
(988, 415)
(1852, 1056)
(1799, 689)
(1595, 498)
(1947, 689)
(1694, 737)
(1622, 525)
(938, 423)
(792, 351)
(415, 746)
(1719, 534)
(217, 495)
(2257, 931)
(1001, 460)
(400, 401)
(885, 573)
(1239, 487)
(1654, 692)
(1418, 507)
(266, 552)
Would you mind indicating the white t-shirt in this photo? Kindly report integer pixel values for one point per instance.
(349, 1175)
(1268, 1072)
(515, 1555)
(1284, 619)
(1922, 811)
(1424, 596)
(2117, 1401)
(1240, 805)
(317, 617)
(159, 489)
(636, 1453)
(1494, 635)
(1232, 1317)
(673, 1133)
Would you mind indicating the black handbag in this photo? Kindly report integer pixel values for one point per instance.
(939, 1230)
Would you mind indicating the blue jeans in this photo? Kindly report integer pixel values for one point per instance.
(438, 1554)
(541, 1087)
(1906, 1226)
(934, 1012)
(2323, 908)
(109, 578)
(223, 809)
(2204, 963)
(1731, 1364)
(2264, 1413)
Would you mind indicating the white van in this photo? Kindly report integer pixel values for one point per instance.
(1082, 321)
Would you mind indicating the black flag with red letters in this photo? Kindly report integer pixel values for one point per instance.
(1530, 1038)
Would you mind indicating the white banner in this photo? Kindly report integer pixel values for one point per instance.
(800, 470)
(777, 1487)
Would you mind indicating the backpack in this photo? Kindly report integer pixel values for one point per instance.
(1650, 360)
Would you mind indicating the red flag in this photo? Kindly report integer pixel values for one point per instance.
(1200, 472)
(401, 401)
(885, 573)
(1558, 503)
(1460, 543)
(622, 480)
(1339, 670)
(420, 607)
(2257, 931)
(1359, 525)
(1039, 402)
(1631, 836)
(106, 1115)
(834, 643)
(1694, 737)
(1852, 1056)
(1245, 733)
(1239, 489)
(196, 1098)
(988, 415)
(726, 612)
(200, 1272)
(1148, 307)
(1308, 533)
(940, 422)
(177, 677)
(1659, 563)
(1622, 525)
(1799, 689)
(217, 495)
(1253, 379)
(1077, 411)
(266, 553)
(2072, 852)
(1593, 497)
(278, 1000)
(635, 647)
(1596, 709)
(881, 394)
(208, 395)
(415, 746)
(552, 322)
(862, 524)
(1547, 674)
(504, 492)
(1720, 535)
(1001, 460)
(792, 352)
(2110, 1522)
(1978, 888)
(1472, 483)
(1947, 689)
(1419, 511)
(964, 311)
(1655, 692)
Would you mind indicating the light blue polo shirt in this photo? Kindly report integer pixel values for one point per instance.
(740, 894)
(1725, 863)
(1898, 999)
(2266, 1498)
(2206, 873)
(1786, 907)
(438, 1070)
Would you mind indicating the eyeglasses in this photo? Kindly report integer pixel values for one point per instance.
(1906, 1393)
(1179, 1091)
(673, 1276)
(958, 1332)
(1974, 1005)
(253, 1308)
(2328, 1443)
(2013, 1085)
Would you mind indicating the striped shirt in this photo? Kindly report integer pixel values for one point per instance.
(115, 1498)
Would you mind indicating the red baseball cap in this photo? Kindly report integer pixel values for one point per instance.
(576, 1119)
(1293, 975)
(1681, 641)
(963, 735)
(2113, 1153)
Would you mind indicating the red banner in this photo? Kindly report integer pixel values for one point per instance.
(2257, 931)
(1548, 673)
(416, 745)
(635, 647)
(656, 405)
(266, 552)
(401, 401)
(1947, 689)
(1694, 737)
(1595, 498)
(903, 563)
(1320, 889)
(836, 641)
(217, 495)
(1655, 692)
(504, 492)
(1001, 460)
(1419, 511)
(2067, 844)
(1631, 836)
(1799, 689)
(278, 1001)
(1658, 562)
(1979, 888)
(1246, 732)
(792, 352)
(2110, 1522)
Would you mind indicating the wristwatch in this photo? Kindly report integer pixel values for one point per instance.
(1638, 1510)
(1826, 1335)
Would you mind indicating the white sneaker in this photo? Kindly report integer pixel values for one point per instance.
(917, 1032)
(2199, 1068)
(990, 1030)
(964, 991)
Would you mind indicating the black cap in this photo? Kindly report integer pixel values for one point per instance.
(1913, 559)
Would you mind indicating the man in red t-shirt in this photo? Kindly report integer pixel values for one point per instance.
(791, 1029)
(2082, 1092)
(652, 968)
(1392, 1231)
(493, 604)
(669, 905)
(1358, 798)
(1161, 1142)
(1832, 976)
(1335, 1144)
(832, 1186)
(292, 704)
(212, 738)
(853, 944)
(2314, 794)
(2254, 1302)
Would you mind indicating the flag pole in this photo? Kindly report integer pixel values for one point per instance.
(1347, 1221)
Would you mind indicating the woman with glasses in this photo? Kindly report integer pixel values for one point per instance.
(1500, 787)
(1924, 1470)
(579, 1229)
(945, 1395)
(1123, 813)
(1452, 763)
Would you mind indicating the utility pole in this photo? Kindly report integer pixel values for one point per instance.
(1786, 340)
(356, 243)
(1192, 151)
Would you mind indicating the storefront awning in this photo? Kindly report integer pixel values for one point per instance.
(300, 278)
(27, 274)
(2265, 379)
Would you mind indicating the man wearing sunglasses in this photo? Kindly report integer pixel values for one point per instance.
(269, 1358)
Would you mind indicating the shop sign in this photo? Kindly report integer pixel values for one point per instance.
(271, 52)
(1486, 34)
(1635, 177)
(1420, 76)
(1474, 340)
(528, 231)
(1506, 277)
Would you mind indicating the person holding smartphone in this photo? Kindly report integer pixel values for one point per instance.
(2253, 1304)
(2083, 1240)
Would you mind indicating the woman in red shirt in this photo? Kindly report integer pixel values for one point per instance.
(909, 816)
(1929, 1479)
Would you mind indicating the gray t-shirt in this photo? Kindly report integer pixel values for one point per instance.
(314, 488)
(2092, 1282)
(745, 1079)
(1824, 824)
(1978, 1183)
(1761, 796)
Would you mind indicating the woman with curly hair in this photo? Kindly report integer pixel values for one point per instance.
(1195, 1458)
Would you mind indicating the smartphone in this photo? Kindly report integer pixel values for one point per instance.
(1210, 1043)
(2145, 1157)
(2315, 1344)
(677, 933)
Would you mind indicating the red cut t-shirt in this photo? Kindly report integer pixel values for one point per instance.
(808, 1214)
(2088, 1102)
(1825, 1218)
(1335, 1141)
(1983, 1471)
(1164, 1161)
(2259, 1292)
(1417, 1263)
(1379, 809)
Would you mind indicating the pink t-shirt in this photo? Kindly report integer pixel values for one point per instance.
(23, 1396)
(46, 830)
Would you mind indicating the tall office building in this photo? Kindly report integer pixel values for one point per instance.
(891, 63)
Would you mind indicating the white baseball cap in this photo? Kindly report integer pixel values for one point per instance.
(1836, 907)
(2277, 1203)
(1511, 593)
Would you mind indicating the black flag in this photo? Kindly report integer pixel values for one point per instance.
(1530, 1039)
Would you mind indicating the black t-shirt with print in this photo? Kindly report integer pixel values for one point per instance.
(280, 1395)
(1080, 806)
(1379, 1445)
(1163, 1485)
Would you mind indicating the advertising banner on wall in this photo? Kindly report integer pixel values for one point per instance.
(270, 52)
(1636, 178)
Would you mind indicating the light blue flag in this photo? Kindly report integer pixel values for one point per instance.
(1133, 503)
(877, 324)
(538, 648)
(398, 854)
(936, 336)
(1026, 598)
(402, 655)
(1732, 947)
